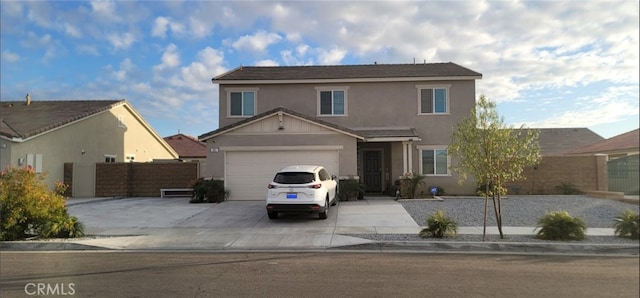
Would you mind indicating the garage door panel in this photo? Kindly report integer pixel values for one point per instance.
(247, 173)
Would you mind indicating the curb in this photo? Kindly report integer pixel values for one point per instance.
(379, 246)
(500, 247)
(74, 202)
(46, 246)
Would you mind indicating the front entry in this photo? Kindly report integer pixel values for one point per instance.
(372, 170)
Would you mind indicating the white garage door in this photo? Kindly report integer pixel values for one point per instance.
(247, 173)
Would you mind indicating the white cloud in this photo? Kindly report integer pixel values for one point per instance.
(121, 41)
(160, 26)
(105, 11)
(126, 66)
(609, 106)
(10, 56)
(199, 28)
(257, 42)
(331, 57)
(170, 57)
(72, 30)
(267, 62)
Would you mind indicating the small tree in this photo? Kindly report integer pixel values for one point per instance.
(492, 153)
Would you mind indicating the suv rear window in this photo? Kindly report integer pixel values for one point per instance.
(294, 178)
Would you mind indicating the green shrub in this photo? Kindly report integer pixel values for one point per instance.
(209, 190)
(439, 225)
(561, 226)
(64, 226)
(627, 225)
(414, 181)
(350, 188)
(28, 208)
(567, 189)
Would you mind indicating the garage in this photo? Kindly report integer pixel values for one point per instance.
(247, 173)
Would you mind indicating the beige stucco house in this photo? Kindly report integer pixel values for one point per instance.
(370, 122)
(47, 134)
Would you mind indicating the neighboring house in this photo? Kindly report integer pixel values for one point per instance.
(623, 152)
(557, 141)
(48, 134)
(370, 122)
(615, 147)
(189, 149)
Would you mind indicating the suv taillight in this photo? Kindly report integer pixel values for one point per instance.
(315, 186)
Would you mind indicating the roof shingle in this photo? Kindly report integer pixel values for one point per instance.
(187, 146)
(624, 142)
(19, 120)
(368, 71)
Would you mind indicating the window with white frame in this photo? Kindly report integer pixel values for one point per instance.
(433, 99)
(332, 101)
(434, 161)
(110, 158)
(242, 103)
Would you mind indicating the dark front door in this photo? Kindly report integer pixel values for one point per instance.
(372, 161)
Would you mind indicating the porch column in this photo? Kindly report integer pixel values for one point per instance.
(404, 157)
(407, 158)
(410, 153)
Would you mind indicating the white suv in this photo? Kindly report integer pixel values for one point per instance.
(302, 189)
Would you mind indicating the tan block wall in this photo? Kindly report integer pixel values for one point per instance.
(142, 179)
(584, 173)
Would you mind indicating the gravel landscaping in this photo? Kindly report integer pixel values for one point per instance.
(517, 211)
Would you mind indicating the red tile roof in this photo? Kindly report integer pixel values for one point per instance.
(629, 141)
(187, 146)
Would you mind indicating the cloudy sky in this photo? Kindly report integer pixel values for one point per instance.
(546, 63)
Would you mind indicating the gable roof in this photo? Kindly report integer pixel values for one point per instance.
(557, 141)
(272, 112)
(388, 72)
(629, 141)
(21, 121)
(187, 146)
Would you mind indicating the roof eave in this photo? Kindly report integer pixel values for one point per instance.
(392, 139)
(344, 80)
(232, 127)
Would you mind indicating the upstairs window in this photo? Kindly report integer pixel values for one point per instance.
(332, 101)
(242, 103)
(433, 100)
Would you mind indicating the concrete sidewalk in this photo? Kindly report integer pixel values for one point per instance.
(174, 224)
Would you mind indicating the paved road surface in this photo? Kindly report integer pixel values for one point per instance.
(313, 274)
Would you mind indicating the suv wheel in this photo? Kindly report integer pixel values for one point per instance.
(325, 213)
(272, 215)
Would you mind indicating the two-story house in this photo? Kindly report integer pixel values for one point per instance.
(370, 122)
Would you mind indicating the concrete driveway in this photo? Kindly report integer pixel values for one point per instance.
(173, 223)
